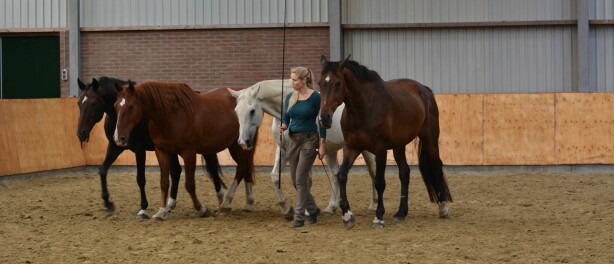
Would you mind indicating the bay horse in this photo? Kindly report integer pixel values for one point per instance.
(96, 100)
(265, 97)
(381, 115)
(185, 122)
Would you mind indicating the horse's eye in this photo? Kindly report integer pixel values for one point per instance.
(338, 85)
(252, 112)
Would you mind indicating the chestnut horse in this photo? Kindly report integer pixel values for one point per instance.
(96, 100)
(381, 115)
(184, 122)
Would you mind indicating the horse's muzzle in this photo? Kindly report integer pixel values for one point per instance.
(325, 121)
(121, 141)
(83, 135)
(246, 145)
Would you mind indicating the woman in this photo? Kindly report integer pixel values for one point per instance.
(301, 109)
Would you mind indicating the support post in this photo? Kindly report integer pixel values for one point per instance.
(334, 22)
(74, 36)
(583, 73)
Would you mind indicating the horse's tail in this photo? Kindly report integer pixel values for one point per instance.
(214, 170)
(430, 164)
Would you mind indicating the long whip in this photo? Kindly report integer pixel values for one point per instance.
(283, 64)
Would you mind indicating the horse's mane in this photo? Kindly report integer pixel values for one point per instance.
(106, 89)
(166, 96)
(361, 72)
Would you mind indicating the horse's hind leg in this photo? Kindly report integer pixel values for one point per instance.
(370, 162)
(431, 168)
(190, 184)
(332, 165)
(113, 152)
(400, 158)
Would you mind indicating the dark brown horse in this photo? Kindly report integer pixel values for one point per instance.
(184, 122)
(381, 115)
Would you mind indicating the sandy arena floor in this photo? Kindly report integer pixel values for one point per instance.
(496, 218)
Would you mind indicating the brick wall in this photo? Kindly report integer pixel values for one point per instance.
(204, 59)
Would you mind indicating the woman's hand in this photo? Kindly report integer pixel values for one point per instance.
(282, 128)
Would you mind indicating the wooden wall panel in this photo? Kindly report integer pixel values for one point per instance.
(9, 157)
(30, 137)
(585, 128)
(518, 129)
(460, 120)
(477, 129)
(34, 136)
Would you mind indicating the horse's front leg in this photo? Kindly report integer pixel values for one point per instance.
(400, 158)
(141, 181)
(113, 152)
(164, 163)
(332, 167)
(280, 161)
(189, 160)
(380, 186)
(370, 162)
(349, 156)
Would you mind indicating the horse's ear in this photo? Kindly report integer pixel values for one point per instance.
(82, 85)
(323, 61)
(94, 84)
(255, 91)
(234, 93)
(118, 87)
(131, 87)
(344, 62)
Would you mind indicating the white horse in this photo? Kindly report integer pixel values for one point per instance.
(266, 96)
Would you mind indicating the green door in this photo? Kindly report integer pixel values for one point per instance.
(30, 67)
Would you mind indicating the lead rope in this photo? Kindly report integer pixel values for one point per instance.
(283, 64)
(328, 177)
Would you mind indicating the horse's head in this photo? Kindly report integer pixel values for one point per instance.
(91, 108)
(129, 113)
(332, 89)
(250, 114)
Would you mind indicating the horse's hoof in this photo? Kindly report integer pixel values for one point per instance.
(225, 209)
(378, 223)
(330, 210)
(171, 203)
(248, 208)
(204, 212)
(162, 214)
(348, 220)
(444, 212)
(109, 207)
(289, 214)
(143, 215)
(399, 217)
